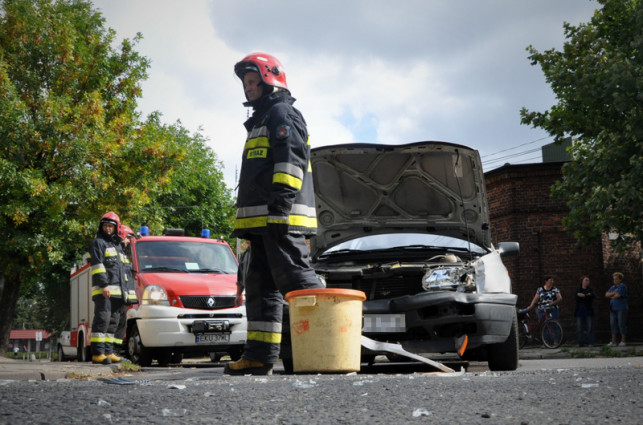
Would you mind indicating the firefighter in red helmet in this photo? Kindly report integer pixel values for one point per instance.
(108, 278)
(275, 208)
(129, 289)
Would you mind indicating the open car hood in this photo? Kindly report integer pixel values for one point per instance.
(425, 187)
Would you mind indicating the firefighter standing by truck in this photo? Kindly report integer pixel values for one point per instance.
(275, 208)
(108, 278)
(129, 287)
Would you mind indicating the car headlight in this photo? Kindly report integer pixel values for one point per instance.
(155, 295)
(449, 279)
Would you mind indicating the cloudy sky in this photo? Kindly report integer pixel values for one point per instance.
(380, 71)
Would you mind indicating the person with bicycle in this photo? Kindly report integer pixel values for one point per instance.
(547, 298)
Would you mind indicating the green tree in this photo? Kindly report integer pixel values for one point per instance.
(72, 146)
(196, 196)
(598, 81)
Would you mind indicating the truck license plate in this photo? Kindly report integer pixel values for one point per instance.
(212, 338)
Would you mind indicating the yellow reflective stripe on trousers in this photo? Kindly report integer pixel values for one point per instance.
(269, 337)
(287, 180)
(98, 337)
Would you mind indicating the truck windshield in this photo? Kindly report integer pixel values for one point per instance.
(182, 256)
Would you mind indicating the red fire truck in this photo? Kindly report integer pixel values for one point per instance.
(186, 287)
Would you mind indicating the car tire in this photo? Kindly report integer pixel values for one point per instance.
(82, 352)
(61, 353)
(136, 352)
(504, 356)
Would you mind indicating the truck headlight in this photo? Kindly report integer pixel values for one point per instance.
(155, 295)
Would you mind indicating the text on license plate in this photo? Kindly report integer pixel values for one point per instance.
(212, 338)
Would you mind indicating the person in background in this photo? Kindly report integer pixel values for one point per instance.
(584, 313)
(547, 298)
(242, 271)
(106, 259)
(275, 209)
(617, 295)
(129, 287)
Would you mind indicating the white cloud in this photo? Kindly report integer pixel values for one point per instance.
(362, 70)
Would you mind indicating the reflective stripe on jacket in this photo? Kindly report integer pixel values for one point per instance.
(275, 184)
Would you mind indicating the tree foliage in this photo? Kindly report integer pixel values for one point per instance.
(598, 81)
(72, 147)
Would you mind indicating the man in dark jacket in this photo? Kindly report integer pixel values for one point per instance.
(275, 208)
(108, 278)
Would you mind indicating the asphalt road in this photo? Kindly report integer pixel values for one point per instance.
(557, 391)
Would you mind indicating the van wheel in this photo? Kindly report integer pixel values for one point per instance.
(61, 353)
(136, 351)
(82, 354)
(504, 356)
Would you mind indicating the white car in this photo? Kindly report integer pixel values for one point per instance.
(409, 226)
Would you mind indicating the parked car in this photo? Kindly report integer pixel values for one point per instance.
(409, 226)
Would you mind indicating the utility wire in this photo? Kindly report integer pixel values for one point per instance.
(506, 157)
(516, 147)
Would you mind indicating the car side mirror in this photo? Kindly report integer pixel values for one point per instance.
(509, 249)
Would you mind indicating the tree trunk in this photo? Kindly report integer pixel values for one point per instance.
(10, 291)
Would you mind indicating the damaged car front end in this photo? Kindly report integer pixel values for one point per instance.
(409, 226)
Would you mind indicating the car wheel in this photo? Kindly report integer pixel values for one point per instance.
(82, 351)
(136, 352)
(504, 356)
(61, 353)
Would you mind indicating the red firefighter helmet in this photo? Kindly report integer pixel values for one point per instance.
(271, 71)
(111, 218)
(125, 231)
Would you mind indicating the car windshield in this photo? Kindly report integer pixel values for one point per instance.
(184, 257)
(405, 241)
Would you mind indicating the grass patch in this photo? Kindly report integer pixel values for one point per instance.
(127, 366)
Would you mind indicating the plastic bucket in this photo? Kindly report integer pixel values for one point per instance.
(326, 329)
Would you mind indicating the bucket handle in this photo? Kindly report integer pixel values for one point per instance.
(304, 301)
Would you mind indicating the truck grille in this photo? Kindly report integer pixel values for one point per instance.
(205, 302)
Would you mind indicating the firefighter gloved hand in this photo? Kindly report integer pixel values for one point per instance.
(277, 230)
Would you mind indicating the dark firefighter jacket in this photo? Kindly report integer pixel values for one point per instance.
(107, 265)
(275, 185)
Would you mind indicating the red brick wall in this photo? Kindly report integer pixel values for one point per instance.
(522, 210)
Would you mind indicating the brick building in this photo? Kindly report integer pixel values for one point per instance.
(521, 209)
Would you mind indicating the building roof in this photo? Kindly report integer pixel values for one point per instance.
(28, 334)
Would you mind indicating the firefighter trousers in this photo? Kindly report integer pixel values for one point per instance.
(107, 314)
(277, 266)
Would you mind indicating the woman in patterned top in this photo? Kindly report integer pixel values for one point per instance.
(547, 298)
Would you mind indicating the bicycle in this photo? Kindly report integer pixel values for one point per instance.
(547, 330)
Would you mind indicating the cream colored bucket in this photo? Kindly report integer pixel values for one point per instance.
(326, 329)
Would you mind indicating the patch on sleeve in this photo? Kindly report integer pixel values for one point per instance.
(283, 132)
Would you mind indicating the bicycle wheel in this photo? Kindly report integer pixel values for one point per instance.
(551, 333)
(523, 334)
